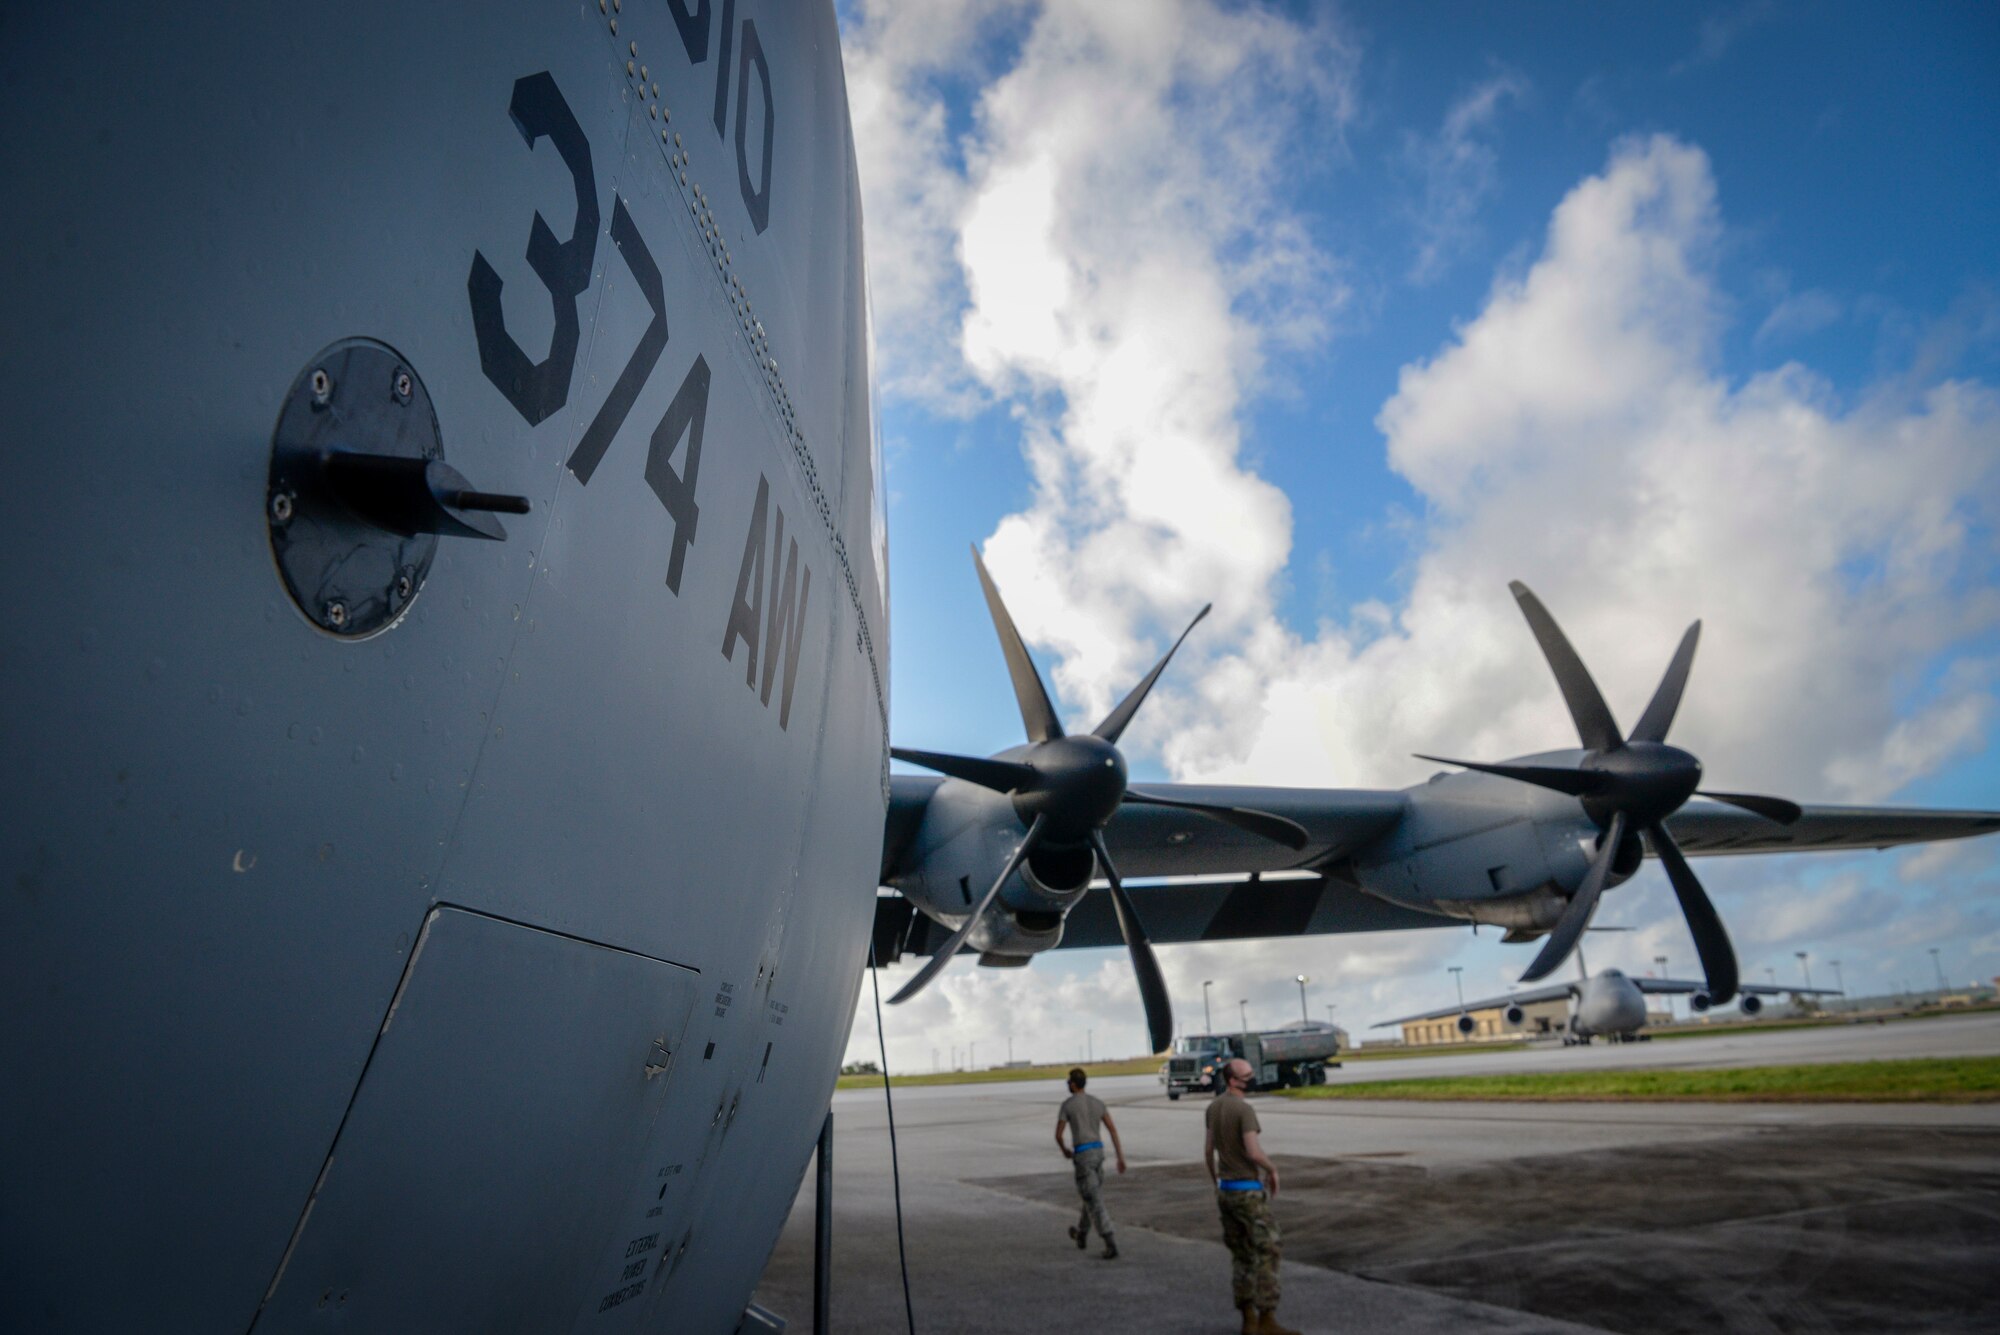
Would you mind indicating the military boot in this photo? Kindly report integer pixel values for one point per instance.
(1080, 1236)
(1110, 1248)
(1249, 1311)
(1267, 1323)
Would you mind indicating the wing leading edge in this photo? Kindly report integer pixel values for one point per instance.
(1706, 829)
(1525, 997)
(1681, 987)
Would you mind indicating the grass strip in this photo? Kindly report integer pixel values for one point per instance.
(1141, 1066)
(1437, 1050)
(1910, 1080)
(1006, 1074)
(1722, 1027)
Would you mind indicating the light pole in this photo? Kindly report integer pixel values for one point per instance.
(1090, 1044)
(1771, 974)
(1839, 983)
(1302, 980)
(1243, 1010)
(1329, 1015)
(1805, 965)
(1457, 978)
(1207, 1021)
(1942, 985)
(1660, 963)
(972, 1056)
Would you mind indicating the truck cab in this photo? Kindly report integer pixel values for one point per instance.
(1195, 1060)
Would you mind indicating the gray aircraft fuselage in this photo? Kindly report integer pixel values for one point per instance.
(491, 970)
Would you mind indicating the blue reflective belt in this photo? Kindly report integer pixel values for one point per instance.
(1239, 1184)
(1089, 1145)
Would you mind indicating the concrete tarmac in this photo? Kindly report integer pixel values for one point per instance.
(1439, 1217)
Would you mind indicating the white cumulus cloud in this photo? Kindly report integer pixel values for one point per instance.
(1577, 435)
(1455, 171)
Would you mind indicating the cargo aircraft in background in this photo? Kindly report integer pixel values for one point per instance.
(447, 686)
(1606, 1004)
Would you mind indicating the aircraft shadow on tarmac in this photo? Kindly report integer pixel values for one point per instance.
(1790, 1229)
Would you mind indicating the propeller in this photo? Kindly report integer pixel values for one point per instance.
(1628, 785)
(1066, 789)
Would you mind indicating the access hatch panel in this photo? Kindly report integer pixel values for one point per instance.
(492, 1138)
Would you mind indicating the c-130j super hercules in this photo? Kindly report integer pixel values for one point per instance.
(446, 720)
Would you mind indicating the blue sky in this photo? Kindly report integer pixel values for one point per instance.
(1343, 317)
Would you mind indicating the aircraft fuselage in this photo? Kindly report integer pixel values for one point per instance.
(491, 969)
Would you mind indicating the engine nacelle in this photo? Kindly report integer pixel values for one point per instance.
(1465, 1025)
(1750, 1005)
(1491, 851)
(1699, 1002)
(1515, 1015)
(966, 837)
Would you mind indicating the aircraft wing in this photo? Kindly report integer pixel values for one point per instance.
(1236, 908)
(1705, 828)
(1553, 992)
(1193, 878)
(1163, 842)
(1150, 841)
(1682, 987)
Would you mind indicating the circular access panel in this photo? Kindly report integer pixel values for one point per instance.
(350, 577)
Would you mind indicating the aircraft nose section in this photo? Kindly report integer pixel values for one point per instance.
(1631, 1010)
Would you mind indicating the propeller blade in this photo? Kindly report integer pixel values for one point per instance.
(951, 947)
(1115, 722)
(1711, 939)
(1002, 776)
(1152, 986)
(1575, 782)
(1659, 715)
(1037, 714)
(1594, 723)
(1581, 905)
(1277, 829)
(1770, 808)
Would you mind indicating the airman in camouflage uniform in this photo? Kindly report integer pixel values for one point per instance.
(1081, 1115)
(1245, 1181)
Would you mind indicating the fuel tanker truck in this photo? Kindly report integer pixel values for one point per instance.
(1279, 1058)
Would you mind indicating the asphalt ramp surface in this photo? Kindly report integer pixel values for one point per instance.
(1785, 1229)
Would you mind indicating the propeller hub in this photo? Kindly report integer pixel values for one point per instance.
(1079, 782)
(1649, 781)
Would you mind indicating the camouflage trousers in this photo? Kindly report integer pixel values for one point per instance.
(1251, 1235)
(1089, 1166)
